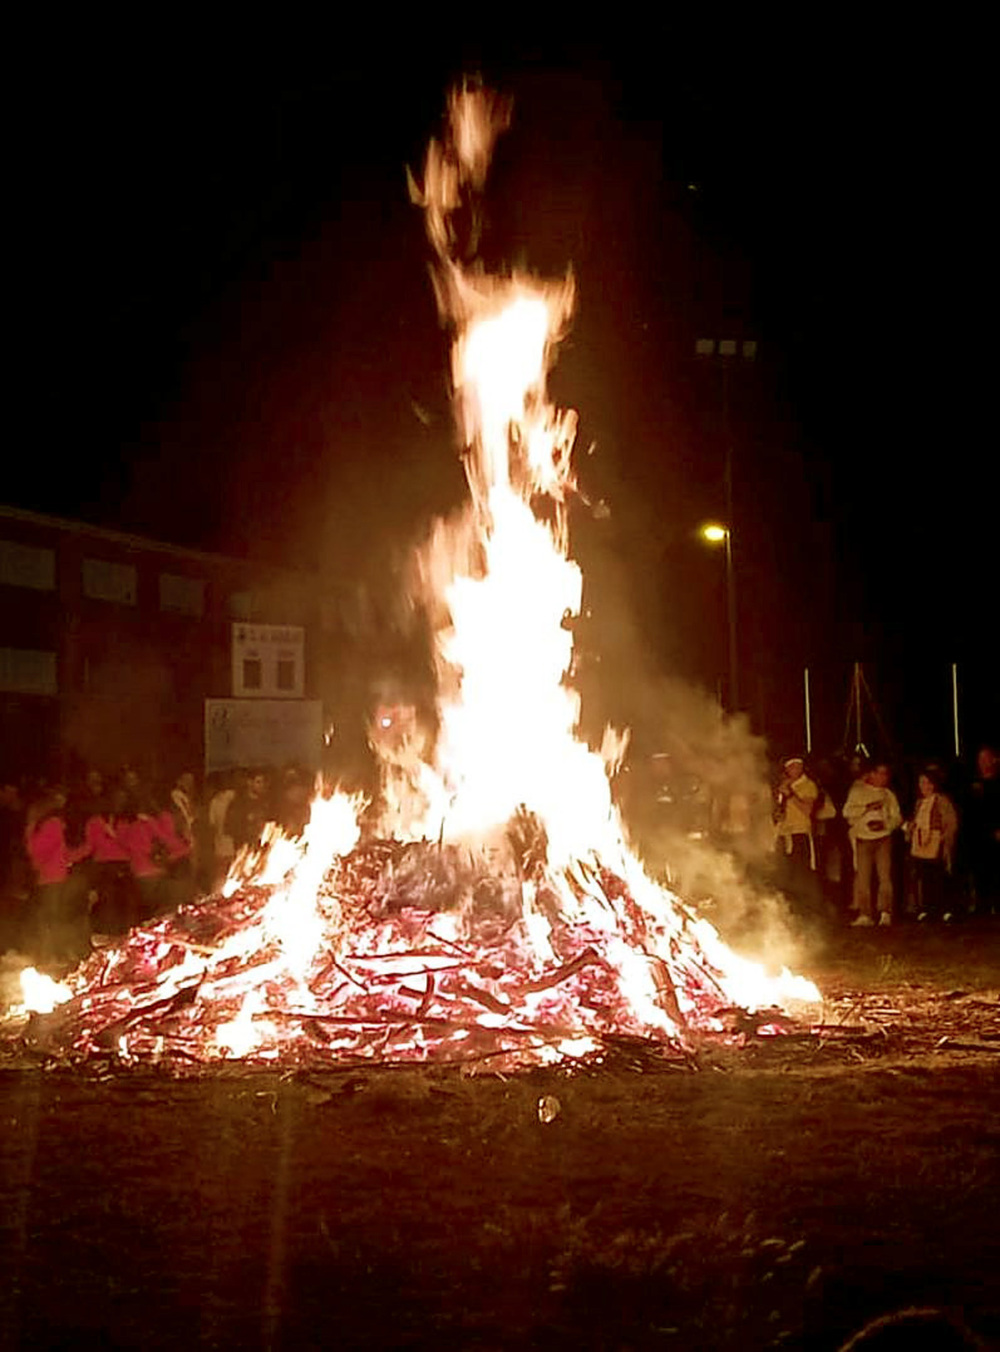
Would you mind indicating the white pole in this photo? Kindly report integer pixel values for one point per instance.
(954, 705)
(809, 733)
(857, 706)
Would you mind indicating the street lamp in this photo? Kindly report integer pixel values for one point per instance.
(715, 534)
(727, 355)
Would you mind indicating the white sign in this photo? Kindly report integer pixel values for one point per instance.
(268, 661)
(247, 733)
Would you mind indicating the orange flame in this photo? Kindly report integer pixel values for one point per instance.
(501, 585)
(501, 590)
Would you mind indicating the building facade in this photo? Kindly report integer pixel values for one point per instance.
(111, 644)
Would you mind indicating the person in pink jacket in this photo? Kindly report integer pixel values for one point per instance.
(152, 845)
(109, 875)
(60, 898)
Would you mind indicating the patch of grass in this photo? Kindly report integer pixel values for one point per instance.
(705, 1285)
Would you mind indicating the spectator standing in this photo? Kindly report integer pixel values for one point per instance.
(185, 808)
(110, 890)
(872, 814)
(294, 809)
(222, 845)
(855, 770)
(931, 834)
(94, 790)
(133, 788)
(14, 868)
(152, 844)
(983, 831)
(248, 813)
(848, 771)
(796, 798)
(185, 823)
(60, 896)
(828, 837)
(84, 801)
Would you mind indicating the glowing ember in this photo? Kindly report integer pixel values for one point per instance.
(501, 916)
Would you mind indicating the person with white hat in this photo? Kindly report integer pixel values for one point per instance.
(796, 798)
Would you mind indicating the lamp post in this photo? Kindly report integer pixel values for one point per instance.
(727, 353)
(715, 534)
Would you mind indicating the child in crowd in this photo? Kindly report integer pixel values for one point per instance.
(931, 835)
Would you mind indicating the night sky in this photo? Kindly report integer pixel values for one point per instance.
(234, 340)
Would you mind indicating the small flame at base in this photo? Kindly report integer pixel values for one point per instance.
(41, 993)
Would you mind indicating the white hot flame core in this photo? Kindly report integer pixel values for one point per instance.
(500, 577)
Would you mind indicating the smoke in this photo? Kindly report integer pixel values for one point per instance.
(694, 790)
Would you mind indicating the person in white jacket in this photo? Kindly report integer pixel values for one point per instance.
(873, 814)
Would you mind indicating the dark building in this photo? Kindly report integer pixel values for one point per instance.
(110, 645)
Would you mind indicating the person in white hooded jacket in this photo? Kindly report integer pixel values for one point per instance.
(873, 814)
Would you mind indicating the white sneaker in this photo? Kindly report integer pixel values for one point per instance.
(863, 920)
(885, 918)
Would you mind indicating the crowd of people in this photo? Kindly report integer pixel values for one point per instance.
(108, 852)
(846, 843)
(112, 851)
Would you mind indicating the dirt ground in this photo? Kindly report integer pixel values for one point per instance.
(776, 1195)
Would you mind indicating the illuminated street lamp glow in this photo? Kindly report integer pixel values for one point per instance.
(714, 533)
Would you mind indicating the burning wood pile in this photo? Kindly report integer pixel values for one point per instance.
(529, 931)
(427, 955)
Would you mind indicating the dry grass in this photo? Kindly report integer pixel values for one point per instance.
(776, 1204)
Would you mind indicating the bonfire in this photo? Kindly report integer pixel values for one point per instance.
(496, 915)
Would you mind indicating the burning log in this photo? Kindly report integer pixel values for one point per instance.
(567, 970)
(394, 988)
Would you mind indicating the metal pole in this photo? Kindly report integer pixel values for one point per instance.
(954, 706)
(809, 734)
(858, 744)
(734, 672)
